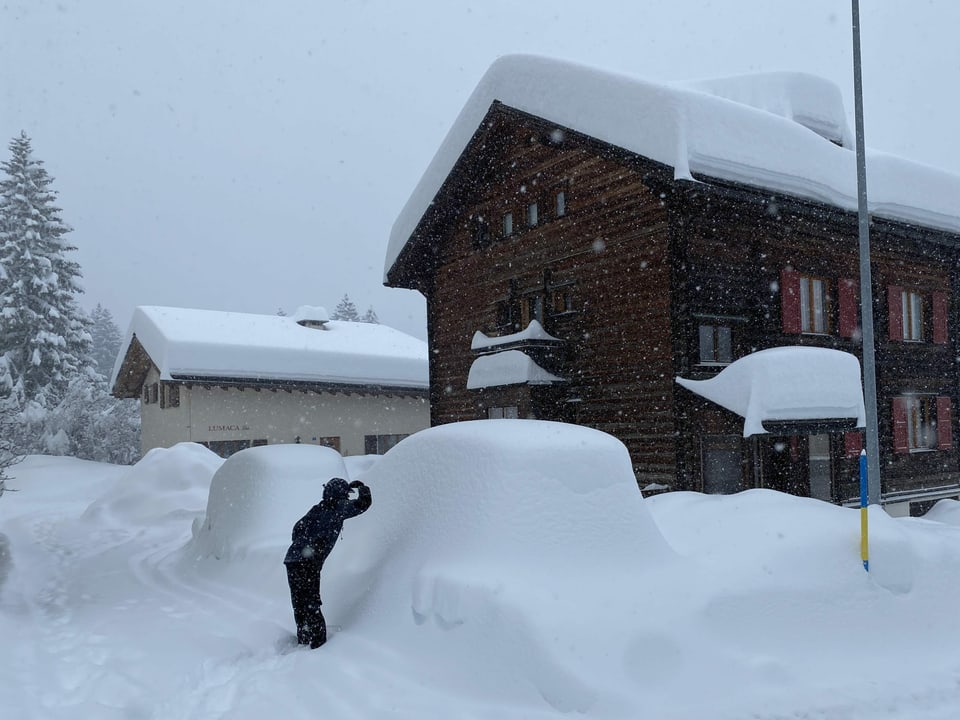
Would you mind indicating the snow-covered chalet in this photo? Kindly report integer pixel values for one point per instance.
(230, 381)
(623, 254)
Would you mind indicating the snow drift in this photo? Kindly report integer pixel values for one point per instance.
(507, 569)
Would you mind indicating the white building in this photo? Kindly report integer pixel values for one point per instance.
(231, 380)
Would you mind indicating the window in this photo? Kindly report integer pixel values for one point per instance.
(379, 444)
(806, 304)
(915, 316)
(481, 233)
(509, 411)
(154, 393)
(226, 448)
(507, 224)
(922, 422)
(716, 345)
(533, 214)
(532, 309)
(562, 301)
(813, 305)
(912, 307)
(561, 203)
(330, 441)
(169, 395)
(721, 460)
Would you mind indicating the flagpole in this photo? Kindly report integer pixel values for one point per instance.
(866, 283)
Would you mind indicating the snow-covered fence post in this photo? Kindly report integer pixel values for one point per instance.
(864, 504)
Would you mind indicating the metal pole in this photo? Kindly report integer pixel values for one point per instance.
(864, 524)
(866, 286)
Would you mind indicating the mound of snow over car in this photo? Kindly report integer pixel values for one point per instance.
(506, 536)
(258, 494)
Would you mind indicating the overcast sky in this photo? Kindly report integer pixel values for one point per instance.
(251, 156)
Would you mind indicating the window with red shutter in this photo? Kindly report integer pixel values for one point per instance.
(790, 301)
(944, 423)
(852, 443)
(848, 298)
(940, 332)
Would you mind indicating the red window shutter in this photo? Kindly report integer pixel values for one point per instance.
(848, 299)
(853, 443)
(901, 440)
(895, 312)
(940, 334)
(944, 423)
(790, 301)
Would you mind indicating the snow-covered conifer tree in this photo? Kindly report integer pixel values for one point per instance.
(43, 332)
(346, 310)
(106, 340)
(8, 428)
(370, 316)
(90, 424)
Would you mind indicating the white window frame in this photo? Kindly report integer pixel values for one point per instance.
(533, 214)
(921, 422)
(911, 303)
(813, 305)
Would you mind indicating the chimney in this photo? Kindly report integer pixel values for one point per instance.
(311, 316)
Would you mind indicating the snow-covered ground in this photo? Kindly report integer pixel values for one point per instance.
(508, 569)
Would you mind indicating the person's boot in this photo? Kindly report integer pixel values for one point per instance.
(319, 637)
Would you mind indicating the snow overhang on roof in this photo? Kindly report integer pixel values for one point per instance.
(510, 367)
(787, 385)
(777, 132)
(186, 344)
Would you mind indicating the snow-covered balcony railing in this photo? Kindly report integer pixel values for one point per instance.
(509, 367)
(788, 390)
(531, 336)
(517, 358)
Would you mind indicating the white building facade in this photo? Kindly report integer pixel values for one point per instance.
(231, 381)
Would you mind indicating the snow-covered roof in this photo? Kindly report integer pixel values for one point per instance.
(772, 131)
(510, 367)
(533, 331)
(185, 343)
(787, 384)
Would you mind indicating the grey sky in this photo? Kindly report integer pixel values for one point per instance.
(242, 155)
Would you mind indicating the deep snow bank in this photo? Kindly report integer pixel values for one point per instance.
(505, 537)
(165, 482)
(258, 494)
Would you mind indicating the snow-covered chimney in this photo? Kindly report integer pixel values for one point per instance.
(311, 316)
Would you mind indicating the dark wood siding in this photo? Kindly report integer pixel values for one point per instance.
(608, 252)
(634, 274)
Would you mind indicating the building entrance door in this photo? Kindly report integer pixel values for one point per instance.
(783, 463)
(820, 467)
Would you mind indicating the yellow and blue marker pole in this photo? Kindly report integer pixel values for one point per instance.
(864, 544)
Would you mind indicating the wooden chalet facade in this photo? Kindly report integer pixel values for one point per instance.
(638, 276)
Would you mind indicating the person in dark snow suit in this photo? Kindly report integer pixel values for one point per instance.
(313, 537)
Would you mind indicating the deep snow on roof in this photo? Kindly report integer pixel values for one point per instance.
(186, 343)
(771, 131)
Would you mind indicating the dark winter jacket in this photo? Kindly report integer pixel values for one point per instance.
(315, 534)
